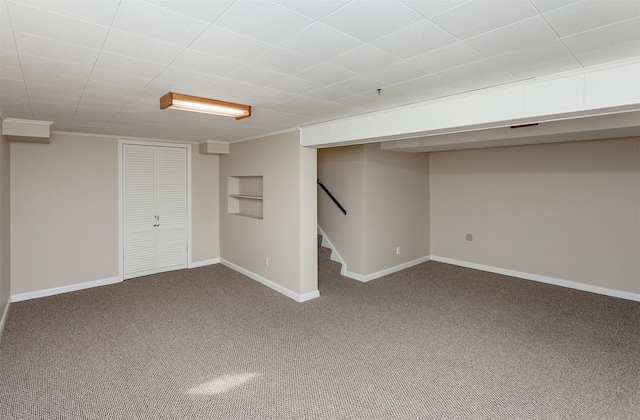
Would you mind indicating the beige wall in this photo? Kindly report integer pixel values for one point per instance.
(205, 206)
(386, 195)
(570, 211)
(5, 223)
(64, 202)
(341, 170)
(282, 235)
(396, 207)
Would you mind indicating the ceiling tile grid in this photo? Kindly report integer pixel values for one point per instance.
(101, 66)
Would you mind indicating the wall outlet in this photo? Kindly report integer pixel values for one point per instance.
(469, 237)
(266, 261)
(398, 251)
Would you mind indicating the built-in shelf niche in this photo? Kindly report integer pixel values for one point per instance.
(245, 196)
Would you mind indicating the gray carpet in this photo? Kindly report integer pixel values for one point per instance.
(432, 342)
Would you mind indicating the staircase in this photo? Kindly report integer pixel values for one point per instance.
(327, 269)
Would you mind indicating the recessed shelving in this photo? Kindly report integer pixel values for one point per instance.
(245, 196)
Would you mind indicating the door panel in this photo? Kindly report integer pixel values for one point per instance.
(139, 196)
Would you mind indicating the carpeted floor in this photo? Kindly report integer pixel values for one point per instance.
(432, 342)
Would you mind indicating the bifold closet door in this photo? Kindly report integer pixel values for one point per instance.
(154, 209)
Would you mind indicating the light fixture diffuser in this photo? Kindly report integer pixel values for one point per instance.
(204, 105)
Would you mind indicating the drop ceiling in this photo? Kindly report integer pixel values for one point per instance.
(101, 66)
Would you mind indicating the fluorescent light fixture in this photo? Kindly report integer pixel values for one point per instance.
(204, 105)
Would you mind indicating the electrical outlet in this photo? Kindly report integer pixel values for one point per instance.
(398, 251)
(266, 261)
(469, 237)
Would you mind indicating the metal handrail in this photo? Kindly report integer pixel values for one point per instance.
(332, 197)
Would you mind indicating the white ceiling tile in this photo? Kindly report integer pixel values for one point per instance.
(591, 14)
(85, 127)
(545, 6)
(16, 109)
(97, 12)
(399, 72)
(111, 103)
(263, 20)
(448, 57)
(359, 84)
(429, 83)
(134, 46)
(375, 18)
(56, 50)
(10, 72)
(513, 37)
(296, 85)
(7, 40)
(187, 77)
(255, 75)
(53, 90)
(205, 63)
(531, 56)
(545, 68)
(33, 62)
(101, 115)
(365, 59)
(477, 17)
(45, 24)
(471, 71)
(614, 53)
(61, 99)
(326, 74)
(313, 9)
(53, 110)
(431, 8)
(44, 77)
(115, 82)
(231, 90)
(320, 42)
(283, 61)
(9, 58)
(267, 96)
(224, 43)
(12, 84)
(117, 129)
(604, 37)
(158, 23)
(129, 65)
(328, 94)
(205, 10)
(414, 40)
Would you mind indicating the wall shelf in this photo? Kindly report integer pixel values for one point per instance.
(245, 196)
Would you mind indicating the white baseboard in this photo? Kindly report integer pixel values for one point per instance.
(64, 289)
(3, 319)
(204, 263)
(542, 279)
(386, 271)
(293, 295)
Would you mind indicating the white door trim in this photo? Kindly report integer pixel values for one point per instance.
(121, 144)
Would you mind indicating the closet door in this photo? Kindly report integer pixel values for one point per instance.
(154, 209)
(171, 208)
(139, 196)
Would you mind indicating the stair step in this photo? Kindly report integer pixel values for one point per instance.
(324, 254)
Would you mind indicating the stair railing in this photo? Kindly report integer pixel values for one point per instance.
(332, 197)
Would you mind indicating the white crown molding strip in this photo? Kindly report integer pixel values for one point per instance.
(3, 319)
(542, 279)
(64, 289)
(204, 263)
(288, 293)
(387, 271)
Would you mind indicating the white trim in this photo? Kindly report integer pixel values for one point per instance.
(335, 256)
(542, 279)
(204, 263)
(3, 319)
(141, 140)
(121, 144)
(64, 289)
(288, 293)
(387, 271)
